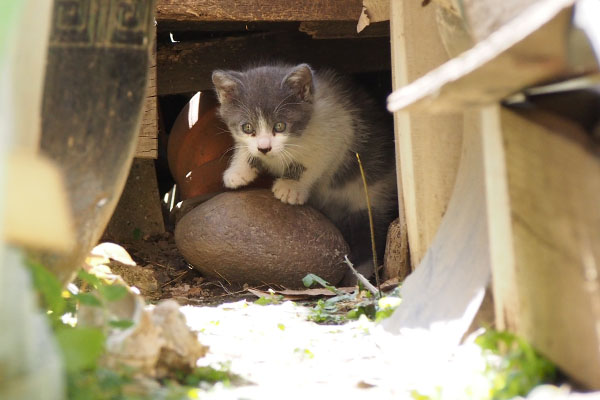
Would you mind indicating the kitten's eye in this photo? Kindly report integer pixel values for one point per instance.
(279, 127)
(247, 128)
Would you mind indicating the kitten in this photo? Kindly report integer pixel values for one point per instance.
(304, 128)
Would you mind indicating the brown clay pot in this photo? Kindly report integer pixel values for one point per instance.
(197, 148)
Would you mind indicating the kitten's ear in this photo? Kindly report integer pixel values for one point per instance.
(300, 80)
(226, 85)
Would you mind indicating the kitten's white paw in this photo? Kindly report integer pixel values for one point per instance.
(235, 177)
(290, 191)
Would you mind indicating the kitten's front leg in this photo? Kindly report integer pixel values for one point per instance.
(240, 172)
(295, 184)
(290, 191)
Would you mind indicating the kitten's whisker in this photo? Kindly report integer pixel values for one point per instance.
(294, 147)
(284, 159)
(287, 104)
(281, 102)
(288, 157)
(243, 107)
(232, 148)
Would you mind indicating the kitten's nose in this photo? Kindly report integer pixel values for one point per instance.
(264, 150)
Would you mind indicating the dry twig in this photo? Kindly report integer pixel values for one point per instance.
(362, 278)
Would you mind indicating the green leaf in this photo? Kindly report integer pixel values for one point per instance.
(520, 368)
(208, 374)
(49, 288)
(90, 279)
(112, 292)
(81, 347)
(266, 300)
(384, 313)
(88, 299)
(121, 323)
(311, 279)
(363, 309)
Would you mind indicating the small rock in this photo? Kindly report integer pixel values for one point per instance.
(252, 237)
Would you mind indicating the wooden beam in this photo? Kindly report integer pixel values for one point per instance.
(258, 10)
(344, 29)
(138, 213)
(534, 43)
(427, 147)
(485, 16)
(187, 67)
(544, 207)
(147, 146)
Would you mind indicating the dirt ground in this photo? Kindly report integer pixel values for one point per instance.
(175, 278)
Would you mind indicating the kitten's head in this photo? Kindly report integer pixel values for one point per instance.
(266, 107)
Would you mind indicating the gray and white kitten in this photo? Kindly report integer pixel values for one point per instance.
(305, 128)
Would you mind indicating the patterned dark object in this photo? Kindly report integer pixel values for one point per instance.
(98, 62)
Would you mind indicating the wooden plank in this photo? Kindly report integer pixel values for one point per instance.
(546, 276)
(187, 67)
(506, 305)
(258, 10)
(484, 16)
(534, 43)
(427, 148)
(147, 146)
(344, 29)
(138, 213)
(373, 11)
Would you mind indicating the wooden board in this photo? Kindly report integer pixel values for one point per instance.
(138, 213)
(187, 67)
(485, 16)
(258, 10)
(545, 225)
(147, 146)
(343, 29)
(427, 147)
(534, 43)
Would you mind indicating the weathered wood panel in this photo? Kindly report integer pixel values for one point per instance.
(138, 212)
(427, 147)
(258, 10)
(147, 146)
(187, 67)
(343, 29)
(546, 277)
(484, 17)
(534, 44)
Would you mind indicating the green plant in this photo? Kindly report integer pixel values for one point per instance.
(311, 279)
(344, 307)
(82, 347)
(518, 367)
(271, 299)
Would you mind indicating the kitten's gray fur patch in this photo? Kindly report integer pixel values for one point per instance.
(293, 171)
(328, 122)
